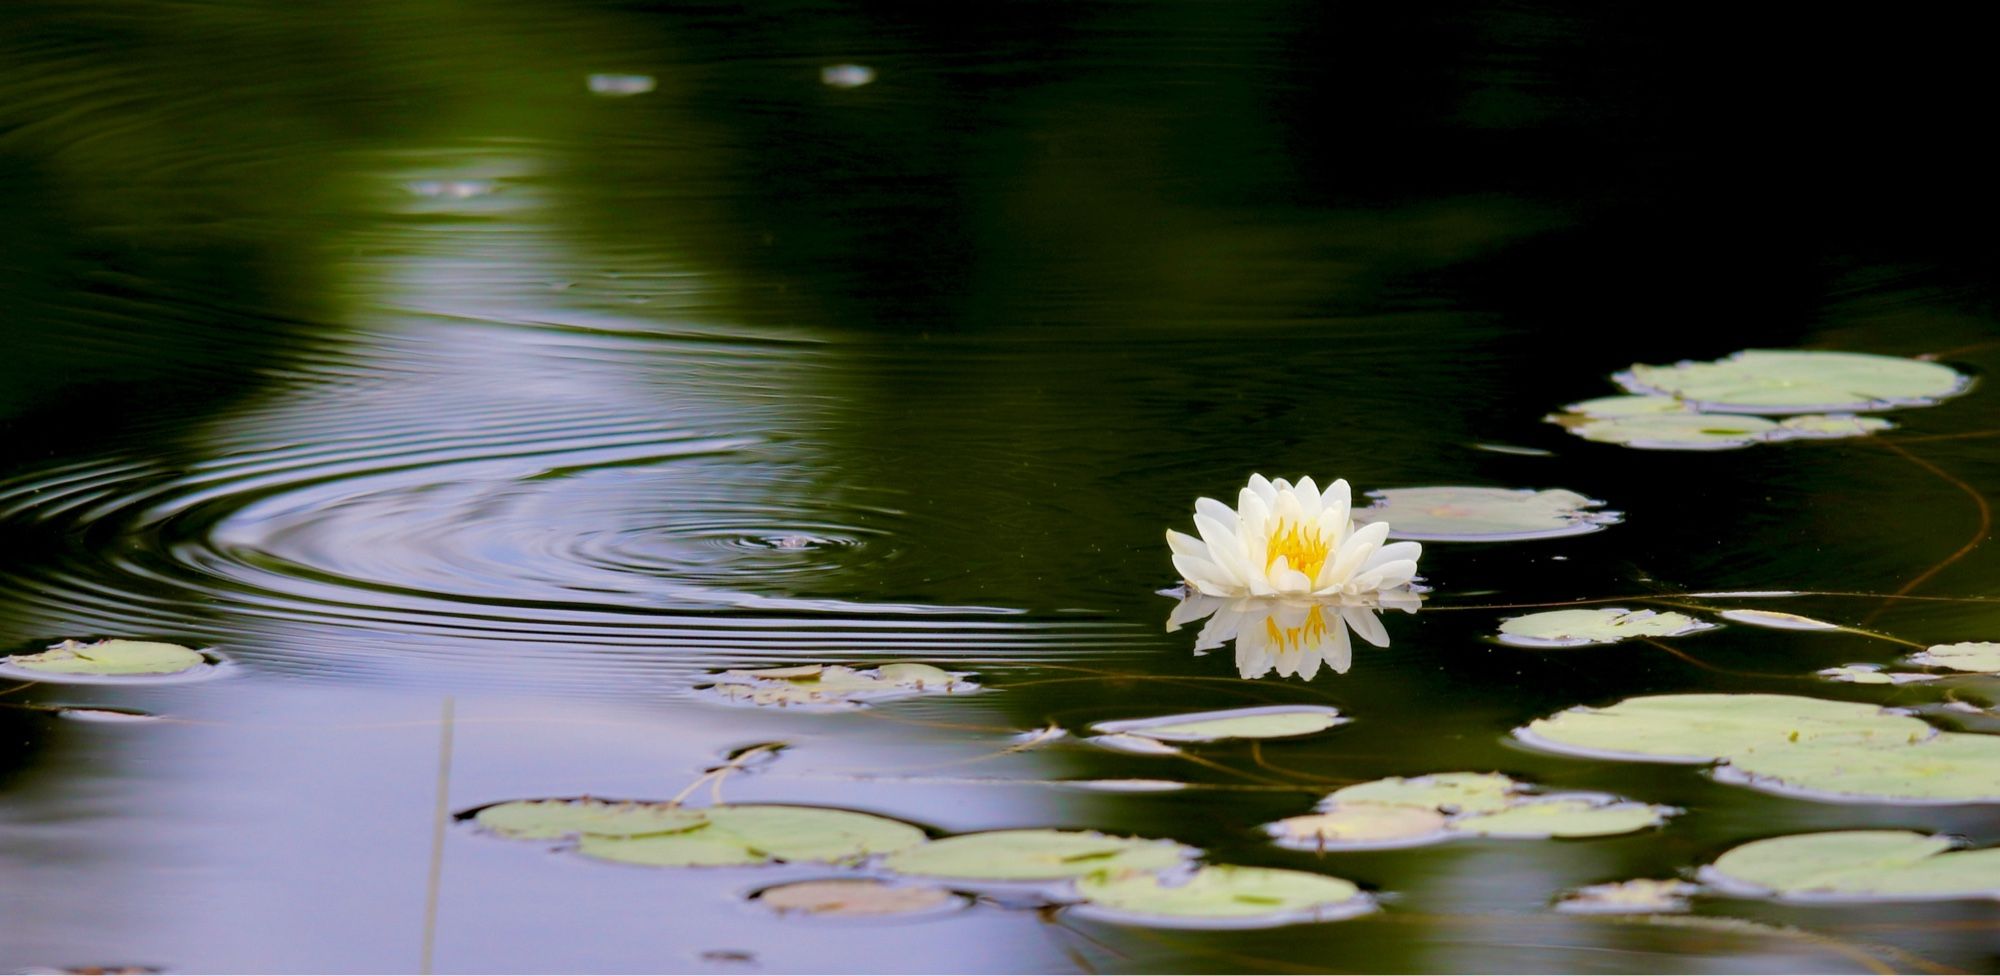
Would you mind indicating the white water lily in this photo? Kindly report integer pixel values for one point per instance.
(1291, 637)
(1286, 540)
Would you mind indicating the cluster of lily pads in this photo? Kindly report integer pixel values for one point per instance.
(1407, 812)
(898, 868)
(833, 686)
(1729, 403)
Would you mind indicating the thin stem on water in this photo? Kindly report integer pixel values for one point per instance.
(441, 816)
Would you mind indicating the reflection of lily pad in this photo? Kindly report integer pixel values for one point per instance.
(1783, 381)
(835, 686)
(1267, 722)
(1777, 620)
(1602, 625)
(1034, 855)
(549, 819)
(1457, 514)
(1361, 825)
(759, 834)
(1226, 893)
(1871, 674)
(1706, 727)
(1564, 816)
(111, 657)
(1448, 792)
(856, 897)
(1644, 896)
(1950, 767)
(1859, 865)
(1972, 656)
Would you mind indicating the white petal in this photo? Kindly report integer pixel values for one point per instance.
(1289, 581)
(1308, 663)
(1287, 509)
(1341, 656)
(1366, 626)
(1224, 549)
(1392, 552)
(1352, 553)
(1206, 577)
(1215, 510)
(1384, 577)
(1339, 500)
(1187, 545)
(1309, 501)
(1264, 489)
(1190, 610)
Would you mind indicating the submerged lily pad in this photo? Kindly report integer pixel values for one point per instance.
(1949, 767)
(1446, 792)
(1460, 514)
(1352, 826)
(758, 834)
(856, 898)
(1777, 620)
(1972, 656)
(1783, 381)
(1034, 855)
(111, 658)
(1601, 625)
(836, 686)
(1266, 722)
(1571, 815)
(1871, 674)
(1706, 727)
(1849, 865)
(1643, 896)
(1222, 893)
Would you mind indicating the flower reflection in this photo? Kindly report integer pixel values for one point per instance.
(1290, 636)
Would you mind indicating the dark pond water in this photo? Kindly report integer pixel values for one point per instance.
(368, 346)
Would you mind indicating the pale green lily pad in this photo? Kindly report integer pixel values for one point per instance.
(1446, 792)
(550, 819)
(1628, 406)
(1643, 896)
(1266, 722)
(1600, 625)
(1979, 656)
(759, 834)
(1707, 727)
(1777, 620)
(1137, 745)
(1858, 865)
(111, 658)
(1871, 674)
(1360, 826)
(1462, 514)
(1034, 855)
(835, 686)
(1781, 381)
(1564, 815)
(1949, 767)
(1235, 896)
(856, 898)
(1672, 431)
(1831, 426)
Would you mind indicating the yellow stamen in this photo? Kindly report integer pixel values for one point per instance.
(1307, 634)
(1301, 545)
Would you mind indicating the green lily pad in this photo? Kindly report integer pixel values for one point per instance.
(550, 819)
(1707, 727)
(1671, 431)
(1267, 722)
(1643, 896)
(835, 686)
(1831, 426)
(1225, 893)
(759, 834)
(1628, 406)
(1360, 826)
(1778, 381)
(1460, 514)
(1445, 792)
(1034, 855)
(1871, 674)
(110, 658)
(1600, 625)
(1949, 767)
(856, 898)
(1859, 865)
(1976, 656)
(1562, 815)
(1777, 620)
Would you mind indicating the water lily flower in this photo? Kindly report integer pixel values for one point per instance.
(1286, 540)
(1291, 637)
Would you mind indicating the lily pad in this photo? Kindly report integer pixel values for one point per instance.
(1949, 767)
(1644, 896)
(551, 819)
(1706, 727)
(1267, 722)
(1034, 855)
(1360, 826)
(835, 686)
(1781, 381)
(1236, 896)
(1849, 865)
(856, 898)
(1446, 792)
(1976, 656)
(1672, 431)
(759, 834)
(1872, 674)
(1831, 426)
(1565, 815)
(1461, 514)
(1777, 620)
(111, 658)
(1137, 745)
(1601, 625)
